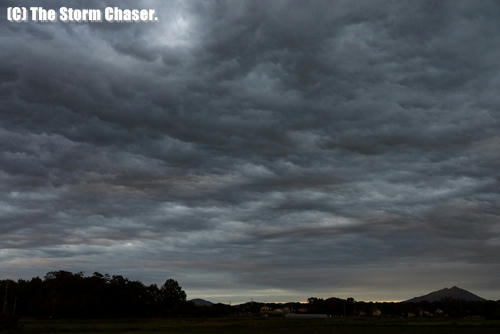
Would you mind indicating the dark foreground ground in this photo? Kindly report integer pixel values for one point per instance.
(257, 326)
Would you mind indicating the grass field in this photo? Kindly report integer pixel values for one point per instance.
(256, 326)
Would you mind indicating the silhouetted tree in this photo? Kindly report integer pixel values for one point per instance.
(171, 295)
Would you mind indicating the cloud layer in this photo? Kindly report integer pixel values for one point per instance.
(255, 149)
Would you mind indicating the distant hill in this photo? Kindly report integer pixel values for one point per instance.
(447, 293)
(201, 302)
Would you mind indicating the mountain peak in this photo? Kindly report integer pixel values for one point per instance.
(201, 302)
(447, 293)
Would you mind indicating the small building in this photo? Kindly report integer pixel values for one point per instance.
(265, 309)
(278, 311)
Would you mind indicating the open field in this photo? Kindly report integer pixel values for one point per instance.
(256, 325)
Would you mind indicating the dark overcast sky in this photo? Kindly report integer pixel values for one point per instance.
(266, 150)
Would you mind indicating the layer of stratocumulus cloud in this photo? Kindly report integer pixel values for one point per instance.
(257, 149)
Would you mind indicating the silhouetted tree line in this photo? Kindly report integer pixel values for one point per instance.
(445, 308)
(338, 307)
(66, 294)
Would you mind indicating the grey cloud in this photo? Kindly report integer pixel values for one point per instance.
(273, 146)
